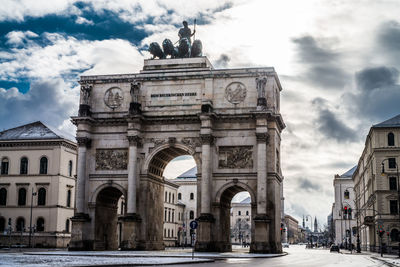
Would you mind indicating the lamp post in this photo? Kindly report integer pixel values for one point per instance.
(310, 228)
(30, 221)
(398, 194)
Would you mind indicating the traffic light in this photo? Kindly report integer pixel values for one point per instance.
(281, 228)
(380, 232)
(345, 210)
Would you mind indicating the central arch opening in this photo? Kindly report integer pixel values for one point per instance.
(180, 199)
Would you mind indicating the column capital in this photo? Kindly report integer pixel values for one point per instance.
(262, 137)
(134, 140)
(207, 139)
(84, 141)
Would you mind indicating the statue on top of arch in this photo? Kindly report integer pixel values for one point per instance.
(184, 49)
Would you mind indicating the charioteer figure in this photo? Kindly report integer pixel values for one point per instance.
(185, 32)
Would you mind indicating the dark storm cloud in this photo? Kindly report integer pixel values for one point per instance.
(330, 126)
(389, 40)
(308, 186)
(45, 101)
(378, 94)
(373, 78)
(222, 62)
(322, 63)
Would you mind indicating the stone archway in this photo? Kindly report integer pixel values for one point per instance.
(106, 219)
(151, 195)
(221, 211)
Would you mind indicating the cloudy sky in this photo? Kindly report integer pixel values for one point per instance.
(338, 62)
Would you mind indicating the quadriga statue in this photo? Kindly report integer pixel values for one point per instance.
(156, 51)
(197, 49)
(169, 49)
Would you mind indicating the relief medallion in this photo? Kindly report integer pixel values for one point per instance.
(113, 97)
(235, 92)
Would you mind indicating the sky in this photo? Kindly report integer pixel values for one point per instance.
(338, 62)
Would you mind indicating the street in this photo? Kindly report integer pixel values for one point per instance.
(298, 255)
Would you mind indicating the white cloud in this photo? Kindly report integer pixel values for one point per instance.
(19, 37)
(82, 20)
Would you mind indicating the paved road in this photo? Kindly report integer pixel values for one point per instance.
(299, 256)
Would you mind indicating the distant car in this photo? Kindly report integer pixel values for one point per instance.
(334, 248)
(285, 245)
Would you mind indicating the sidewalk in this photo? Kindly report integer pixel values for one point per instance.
(389, 259)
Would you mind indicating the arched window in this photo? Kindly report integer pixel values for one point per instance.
(42, 197)
(2, 224)
(70, 168)
(20, 226)
(191, 196)
(22, 197)
(24, 166)
(4, 166)
(247, 212)
(390, 139)
(67, 226)
(69, 198)
(3, 196)
(191, 215)
(394, 235)
(40, 224)
(179, 196)
(43, 165)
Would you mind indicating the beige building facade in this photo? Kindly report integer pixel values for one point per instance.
(173, 215)
(376, 184)
(344, 219)
(36, 159)
(129, 127)
(292, 229)
(241, 221)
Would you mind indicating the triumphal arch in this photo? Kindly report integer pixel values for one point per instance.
(130, 126)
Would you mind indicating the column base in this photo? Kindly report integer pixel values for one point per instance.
(130, 229)
(204, 242)
(261, 242)
(80, 229)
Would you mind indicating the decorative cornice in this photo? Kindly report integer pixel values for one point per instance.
(84, 141)
(262, 137)
(21, 143)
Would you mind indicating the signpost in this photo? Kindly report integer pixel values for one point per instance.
(193, 225)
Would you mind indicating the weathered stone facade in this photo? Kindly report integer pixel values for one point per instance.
(177, 107)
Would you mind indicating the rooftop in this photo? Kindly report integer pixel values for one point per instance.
(33, 131)
(349, 173)
(393, 122)
(188, 174)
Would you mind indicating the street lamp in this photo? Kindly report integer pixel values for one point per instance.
(398, 194)
(30, 223)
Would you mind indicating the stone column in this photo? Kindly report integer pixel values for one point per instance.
(132, 174)
(83, 143)
(262, 173)
(205, 173)
(131, 221)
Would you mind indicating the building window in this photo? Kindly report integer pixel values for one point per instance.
(165, 215)
(247, 212)
(3, 196)
(392, 163)
(173, 198)
(4, 166)
(169, 215)
(172, 233)
(168, 233)
(173, 215)
(43, 165)
(40, 225)
(191, 196)
(22, 197)
(2, 224)
(390, 139)
(191, 215)
(392, 183)
(70, 168)
(393, 207)
(42, 197)
(239, 213)
(165, 232)
(67, 226)
(24, 166)
(394, 235)
(69, 198)
(166, 197)
(20, 226)
(169, 197)
(346, 194)
(179, 196)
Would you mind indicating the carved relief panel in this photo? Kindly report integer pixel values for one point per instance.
(235, 157)
(111, 159)
(113, 97)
